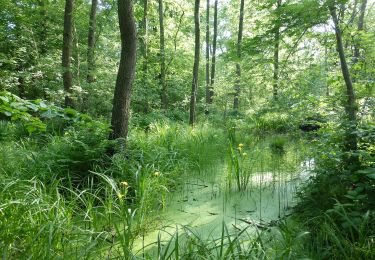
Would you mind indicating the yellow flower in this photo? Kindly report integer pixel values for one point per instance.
(120, 196)
(124, 183)
(157, 174)
(240, 145)
(244, 154)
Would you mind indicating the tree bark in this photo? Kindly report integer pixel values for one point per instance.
(21, 87)
(144, 50)
(237, 87)
(164, 96)
(126, 71)
(326, 66)
(360, 29)
(213, 62)
(276, 57)
(207, 56)
(67, 52)
(44, 26)
(77, 55)
(354, 12)
(91, 42)
(351, 108)
(194, 85)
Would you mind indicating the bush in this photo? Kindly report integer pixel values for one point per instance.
(271, 122)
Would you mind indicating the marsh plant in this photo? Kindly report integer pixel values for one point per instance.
(62, 196)
(250, 242)
(237, 167)
(277, 145)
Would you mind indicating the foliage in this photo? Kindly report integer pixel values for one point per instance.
(78, 183)
(31, 113)
(68, 192)
(339, 199)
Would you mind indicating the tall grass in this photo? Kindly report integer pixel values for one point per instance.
(251, 242)
(63, 196)
(66, 198)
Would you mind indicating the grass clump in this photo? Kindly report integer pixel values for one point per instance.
(277, 145)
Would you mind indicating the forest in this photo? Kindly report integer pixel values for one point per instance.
(187, 129)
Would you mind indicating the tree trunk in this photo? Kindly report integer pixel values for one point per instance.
(326, 68)
(207, 56)
(91, 42)
(144, 50)
(67, 52)
(44, 26)
(354, 11)
(360, 29)
(351, 138)
(237, 87)
(276, 58)
(21, 87)
(213, 62)
(164, 96)
(126, 71)
(77, 55)
(194, 85)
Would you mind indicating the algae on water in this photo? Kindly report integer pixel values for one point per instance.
(203, 201)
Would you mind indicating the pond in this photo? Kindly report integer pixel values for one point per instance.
(270, 169)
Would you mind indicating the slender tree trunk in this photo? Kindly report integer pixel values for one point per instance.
(354, 12)
(91, 42)
(77, 55)
(164, 96)
(43, 29)
(21, 87)
(194, 85)
(351, 110)
(67, 52)
(213, 63)
(237, 87)
(126, 71)
(360, 29)
(326, 66)
(207, 56)
(276, 58)
(144, 49)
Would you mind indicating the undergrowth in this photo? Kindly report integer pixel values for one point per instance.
(64, 196)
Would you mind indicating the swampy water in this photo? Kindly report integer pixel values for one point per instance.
(210, 196)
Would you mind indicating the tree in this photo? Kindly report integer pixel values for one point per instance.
(276, 55)
(126, 71)
(43, 29)
(67, 52)
(360, 29)
(194, 85)
(237, 87)
(76, 55)
(91, 42)
(164, 96)
(208, 98)
(213, 62)
(351, 108)
(144, 51)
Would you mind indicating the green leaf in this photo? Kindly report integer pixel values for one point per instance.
(48, 114)
(7, 113)
(70, 112)
(32, 107)
(5, 99)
